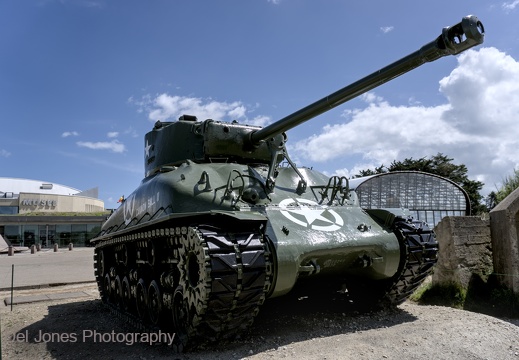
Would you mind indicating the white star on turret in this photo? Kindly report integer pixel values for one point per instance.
(147, 149)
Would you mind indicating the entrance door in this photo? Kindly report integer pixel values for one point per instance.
(47, 233)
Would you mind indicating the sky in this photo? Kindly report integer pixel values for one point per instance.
(82, 82)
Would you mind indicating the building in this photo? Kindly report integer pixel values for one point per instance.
(37, 212)
(429, 197)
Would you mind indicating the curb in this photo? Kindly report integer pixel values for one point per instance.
(43, 286)
(43, 297)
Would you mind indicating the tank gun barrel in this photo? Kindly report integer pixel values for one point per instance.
(453, 40)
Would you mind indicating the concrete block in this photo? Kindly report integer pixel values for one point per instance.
(465, 249)
(504, 225)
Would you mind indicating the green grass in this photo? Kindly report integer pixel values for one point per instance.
(451, 294)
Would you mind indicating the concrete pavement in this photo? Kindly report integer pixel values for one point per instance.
(47, 268)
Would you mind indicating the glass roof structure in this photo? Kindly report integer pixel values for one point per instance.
(429, 197)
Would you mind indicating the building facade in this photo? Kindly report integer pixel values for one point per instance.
(429, 197)
(37, 212)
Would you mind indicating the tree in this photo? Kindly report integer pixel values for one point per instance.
(510, 183)
(491, 200)
(368, 172)
(438, 165)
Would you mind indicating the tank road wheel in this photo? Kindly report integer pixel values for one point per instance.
(180, 319)
(151, 253)
(194, 283)
(121, 254)
(118, 291)
(154, 302)
(107, 289)
(100, 259)
(141, 295)
(126, 294)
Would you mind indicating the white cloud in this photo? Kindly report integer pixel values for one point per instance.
(166, 107)
(477, 126)
(238, 112)
(114, 145)
(69, 133)
(371, 97)
(510, 5)
(112, 134)
(143, 104)
(386, 29)
(4, 153)
(132, 132)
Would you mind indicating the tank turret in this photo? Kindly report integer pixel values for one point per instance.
(219, 224)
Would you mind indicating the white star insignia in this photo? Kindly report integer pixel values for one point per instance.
(147, 149)
(311, 214)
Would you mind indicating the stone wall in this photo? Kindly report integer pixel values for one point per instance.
(465, 250)
(504, 222)
(471, 246)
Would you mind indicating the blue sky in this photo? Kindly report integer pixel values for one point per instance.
(82, 81)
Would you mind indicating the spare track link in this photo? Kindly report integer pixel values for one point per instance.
(234, 274)
(419, 250)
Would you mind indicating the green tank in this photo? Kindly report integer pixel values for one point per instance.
(224, 220)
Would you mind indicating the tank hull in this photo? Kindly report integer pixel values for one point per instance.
(305, 237)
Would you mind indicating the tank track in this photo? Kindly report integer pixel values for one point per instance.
(419, 254)
(201, 283)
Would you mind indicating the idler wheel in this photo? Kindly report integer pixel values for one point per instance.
(141, 295)
(154, 302)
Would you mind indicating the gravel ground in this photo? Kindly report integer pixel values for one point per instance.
(287, 327)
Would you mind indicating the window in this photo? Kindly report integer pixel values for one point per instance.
(8, 210)
(63, 235)
(30, 234)
(78, 234)
(429, 197)
(13, 233)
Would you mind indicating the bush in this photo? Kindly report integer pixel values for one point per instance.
(486, 297)
(451, 294)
